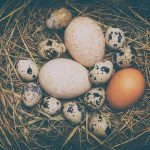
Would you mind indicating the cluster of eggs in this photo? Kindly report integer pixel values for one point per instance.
(63, 78)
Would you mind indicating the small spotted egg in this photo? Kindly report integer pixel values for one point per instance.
(50, 49)
(115, 38)
(73, 112)
(59, 18)
(27, 69)
(51, 105)
(125, 57)
(94, 98)
(99, 125)
(32, 94)
(101, 72)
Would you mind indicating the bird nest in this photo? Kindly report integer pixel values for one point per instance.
(22, 27)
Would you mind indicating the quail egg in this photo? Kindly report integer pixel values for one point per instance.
(50, 49)
(27, 69)
(73, 112)
(125, 57)
(32, 94)
(59, 18)
(99, 125)
(51, 105)
(115, 38)
(94, 98)
(101, 72)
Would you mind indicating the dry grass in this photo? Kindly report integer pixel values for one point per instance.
(22, 27)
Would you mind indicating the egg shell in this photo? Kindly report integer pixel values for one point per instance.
(51, 105)
(27, 69)
(125, 88)
(99, 125)
(85, 41)
(59, 18)
(73, 112)
(32, 94)
(115, 38)
(64, 78)
(101, 72)
(50, 49)
(125, 57)
(94, 98)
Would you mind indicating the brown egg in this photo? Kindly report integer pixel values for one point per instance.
(125, 88)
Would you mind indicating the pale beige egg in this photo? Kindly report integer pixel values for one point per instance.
(85, 41)
(64, 78)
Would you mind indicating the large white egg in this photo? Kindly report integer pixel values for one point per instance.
(85, 41)
(64, 78)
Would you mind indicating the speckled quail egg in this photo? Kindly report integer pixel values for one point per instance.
(99, 125)
(125, 57)
(51, 105)
(32, 94)
(94, 98)
(73, 112)
(101, 72)
(115, 38)
(27, 69)
(59, 18)
(50, 49)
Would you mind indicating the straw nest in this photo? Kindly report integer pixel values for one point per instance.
(22, 26)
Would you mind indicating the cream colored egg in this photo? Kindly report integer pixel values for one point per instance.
(64, 78)
(85, 41)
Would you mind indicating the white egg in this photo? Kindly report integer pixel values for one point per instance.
(27, 69)
(94, 98)
(101, 72)
(115, 38)
(50, 49)
(73, 112)
(99, 125)
(32, 94)
(64, 78)
(125, 57)
(84, 40)
(59, 18)
(51, 105)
